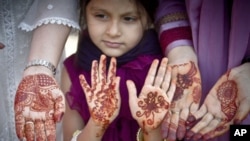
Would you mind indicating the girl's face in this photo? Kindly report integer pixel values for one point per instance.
(115, 26)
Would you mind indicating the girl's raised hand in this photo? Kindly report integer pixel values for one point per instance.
(103, 96)
(153, 102)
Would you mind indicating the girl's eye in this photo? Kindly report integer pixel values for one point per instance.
(130, 19)
(101, 16)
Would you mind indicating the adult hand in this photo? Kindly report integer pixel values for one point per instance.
(185, 101)
(39, 104)
(103, 96)
(153, 102)
(227, 102)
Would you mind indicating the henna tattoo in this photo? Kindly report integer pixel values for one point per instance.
(40, 133)
(102, 95)
(197, 94)
(227, 94)
(151, 105)
(29, 131)
(184, 81)
(37, 95)
(51, 130)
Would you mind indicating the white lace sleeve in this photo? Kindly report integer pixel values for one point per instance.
(51, 11)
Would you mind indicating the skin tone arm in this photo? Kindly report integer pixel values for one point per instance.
(47, 43)
(39, 102)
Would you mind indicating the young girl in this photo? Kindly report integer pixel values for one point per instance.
(104, 106)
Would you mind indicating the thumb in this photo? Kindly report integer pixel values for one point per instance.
(242, 112)
(59, 107)
(132, 96)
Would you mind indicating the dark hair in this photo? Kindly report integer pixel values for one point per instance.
(150, 7)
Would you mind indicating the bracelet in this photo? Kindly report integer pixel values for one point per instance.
(75, 135)
(139, 136)
(40, 62)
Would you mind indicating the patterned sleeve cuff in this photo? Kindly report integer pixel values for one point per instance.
(171, 35)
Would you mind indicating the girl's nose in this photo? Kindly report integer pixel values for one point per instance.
(113, 29)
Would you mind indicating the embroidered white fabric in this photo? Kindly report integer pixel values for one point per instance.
(26, 15)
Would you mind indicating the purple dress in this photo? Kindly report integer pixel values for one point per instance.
(124, 127)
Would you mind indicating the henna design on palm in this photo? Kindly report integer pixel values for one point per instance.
(225, 95)
(153, 102)
(185, 81)
(38, 97)
(150, 106)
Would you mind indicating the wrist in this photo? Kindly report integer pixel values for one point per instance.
(40, 66)
(37, 70)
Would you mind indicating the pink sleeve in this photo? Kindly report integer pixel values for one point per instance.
(172, 24)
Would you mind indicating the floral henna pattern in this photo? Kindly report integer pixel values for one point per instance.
(151, 105)
(102, 96)
(227, 94)
(184, 81)
(37, 95)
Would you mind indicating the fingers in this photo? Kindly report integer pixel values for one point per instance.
(173, 126)
(151, 73)
(29, 130)
(40, 130)
(102, 69)
(165, 125)
(203, 123)
(132, 96)
(116, 83)
(161, 73)
(59, 105)
(94, 73)
(84, 83)
(242, 112)
(20, 122)
(50, 128)
(197, 115)
(171, 91)
(112, 70)
(167, 78)
(181, 130)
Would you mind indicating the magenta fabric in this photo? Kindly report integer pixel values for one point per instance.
(133, 65)
(124, 128)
